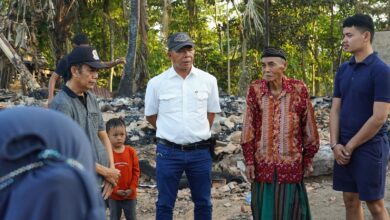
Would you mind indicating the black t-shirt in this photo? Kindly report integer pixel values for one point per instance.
(62, 68)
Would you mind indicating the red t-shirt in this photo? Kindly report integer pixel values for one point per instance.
(127, 163)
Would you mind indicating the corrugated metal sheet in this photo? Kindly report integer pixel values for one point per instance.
(101, 92)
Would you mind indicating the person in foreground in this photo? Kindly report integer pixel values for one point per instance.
(358, 129)
(279, 140)
(77, 102)
(124, 196)
(46, 167)
(181, 104)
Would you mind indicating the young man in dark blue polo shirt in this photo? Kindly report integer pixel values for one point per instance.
(358, 129)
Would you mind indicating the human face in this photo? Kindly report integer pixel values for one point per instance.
(182, 59)
(85, 76)
(117, 136)
(273, 68)
(354, 40)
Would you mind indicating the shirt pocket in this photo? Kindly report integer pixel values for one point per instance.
(200, 101)
(169, 103)
(93, 120)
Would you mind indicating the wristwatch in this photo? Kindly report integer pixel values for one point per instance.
(333, 145)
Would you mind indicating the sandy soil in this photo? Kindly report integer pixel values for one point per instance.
(325, 203)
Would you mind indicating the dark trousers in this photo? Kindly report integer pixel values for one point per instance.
(171, 163)
(128, 207)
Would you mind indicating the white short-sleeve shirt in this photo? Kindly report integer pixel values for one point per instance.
(181, 105)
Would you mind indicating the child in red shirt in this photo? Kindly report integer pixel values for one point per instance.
(125, 158)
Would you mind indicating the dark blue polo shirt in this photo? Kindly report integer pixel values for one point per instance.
(359, 85)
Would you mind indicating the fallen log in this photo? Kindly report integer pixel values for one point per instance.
(28, 82)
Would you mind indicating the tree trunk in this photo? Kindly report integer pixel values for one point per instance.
(108, 20)
(244, 78)
(111, 28)
(218, 27)
(127, 82)
(303, 64)
(165, 19)
(334, 65)
(313, 76)
(142, 73)
(64, 17)
(192, 12)
(228, 45)
(388, 15)
(266, 20)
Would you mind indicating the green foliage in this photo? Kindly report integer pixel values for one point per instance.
(158, 60)
(309, 31)
(95, 23)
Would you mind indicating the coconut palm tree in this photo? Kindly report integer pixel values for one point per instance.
(252, 24)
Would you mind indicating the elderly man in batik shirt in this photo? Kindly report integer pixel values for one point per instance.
(279, 140)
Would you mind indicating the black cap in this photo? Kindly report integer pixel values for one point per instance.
(85, 55)
(273, 52)
(179, 40)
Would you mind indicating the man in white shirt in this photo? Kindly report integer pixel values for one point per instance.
(181, 104)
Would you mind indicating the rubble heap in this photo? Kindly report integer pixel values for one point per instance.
(226, 128)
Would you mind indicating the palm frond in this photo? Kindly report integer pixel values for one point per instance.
(253, 20)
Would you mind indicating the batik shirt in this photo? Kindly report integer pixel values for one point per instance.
(279, 133)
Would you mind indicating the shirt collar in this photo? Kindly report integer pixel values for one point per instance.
(172, 73)
(70, 93)
(369, 59)
(287, 86)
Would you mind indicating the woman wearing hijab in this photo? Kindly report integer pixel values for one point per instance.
(46, 167)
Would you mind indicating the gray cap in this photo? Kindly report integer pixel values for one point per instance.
(179, 40)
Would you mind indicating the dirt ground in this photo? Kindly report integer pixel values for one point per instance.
(325, 203)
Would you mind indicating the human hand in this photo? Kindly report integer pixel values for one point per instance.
(347, 152)
(250, 173)
(308, 170)
(120, 60)
(107, 189)
(112, 175)
(341, 155)
(121, 193)
(128, 192)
